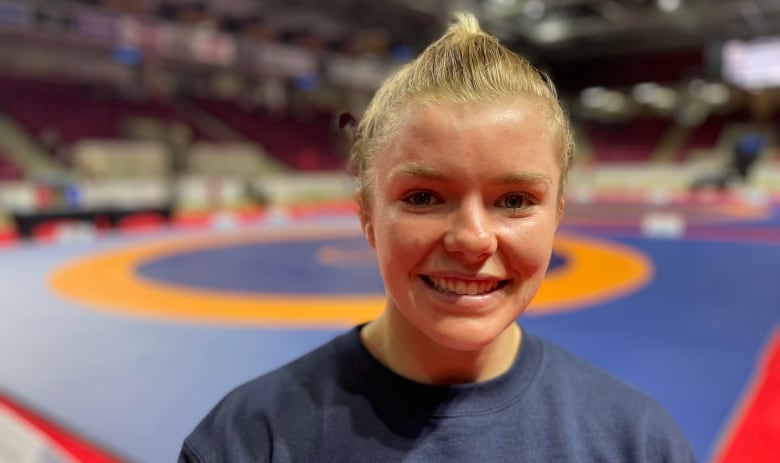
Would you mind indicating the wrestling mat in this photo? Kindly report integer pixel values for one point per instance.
(113, 347)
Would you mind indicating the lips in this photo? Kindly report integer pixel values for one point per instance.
(463, 287)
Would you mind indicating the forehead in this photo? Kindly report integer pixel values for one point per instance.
(503, 136)
(427, 118)
(525, 120)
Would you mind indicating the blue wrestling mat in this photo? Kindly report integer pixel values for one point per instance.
(128, 341)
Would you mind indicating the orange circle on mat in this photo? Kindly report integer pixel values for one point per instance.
(595, 271)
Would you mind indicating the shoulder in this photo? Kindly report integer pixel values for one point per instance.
(267, 393)
(567, 373)
(242, 426)
(606, 409)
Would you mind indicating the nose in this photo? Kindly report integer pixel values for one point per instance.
(471, 233)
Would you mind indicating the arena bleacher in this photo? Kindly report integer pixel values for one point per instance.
(215, 121)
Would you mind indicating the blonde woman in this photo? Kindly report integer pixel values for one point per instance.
(461, 161)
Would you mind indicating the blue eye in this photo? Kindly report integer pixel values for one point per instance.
(514, 201)
(420, 198)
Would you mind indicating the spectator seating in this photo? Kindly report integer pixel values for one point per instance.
(9, 170)
(78, 111)
(303, 144)
(707, 135)
(631, 141)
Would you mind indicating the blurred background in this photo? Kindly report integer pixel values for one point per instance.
(168, 116)
(183, 105)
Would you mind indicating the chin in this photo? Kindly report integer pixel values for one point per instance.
(467, 335)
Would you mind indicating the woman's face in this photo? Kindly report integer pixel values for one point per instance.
(462, 216)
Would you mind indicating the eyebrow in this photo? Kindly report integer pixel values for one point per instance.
(417, 169)
(525, 177)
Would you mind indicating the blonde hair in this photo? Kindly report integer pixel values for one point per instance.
(465, 65)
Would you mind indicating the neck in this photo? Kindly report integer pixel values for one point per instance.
(413, 355)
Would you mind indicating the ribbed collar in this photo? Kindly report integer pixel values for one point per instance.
(362, 374)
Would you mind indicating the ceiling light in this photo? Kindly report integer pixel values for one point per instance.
(551, 31)
(716, 94)
(669, 6)
(645, 93)
(593, 97)
(504, 3)
(534, 9)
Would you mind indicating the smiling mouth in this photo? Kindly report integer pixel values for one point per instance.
(461, 287)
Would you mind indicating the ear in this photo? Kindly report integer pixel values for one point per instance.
(366, 223)
(561, 207)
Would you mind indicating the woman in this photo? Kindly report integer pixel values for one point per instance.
(461, 160)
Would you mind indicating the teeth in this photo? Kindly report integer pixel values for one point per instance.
(463, 287)
(473, 288)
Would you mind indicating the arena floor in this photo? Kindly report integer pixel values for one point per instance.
(122, 343)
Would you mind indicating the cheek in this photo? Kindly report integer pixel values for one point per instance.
(402, 241)
(530, 248)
